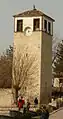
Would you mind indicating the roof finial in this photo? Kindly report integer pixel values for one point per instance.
(34, 7)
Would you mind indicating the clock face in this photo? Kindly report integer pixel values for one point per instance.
(28, 31)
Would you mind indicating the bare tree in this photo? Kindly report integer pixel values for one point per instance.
(24, 69)
(56, 41)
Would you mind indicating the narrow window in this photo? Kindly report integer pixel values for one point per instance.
(45, 25)
(19, 25)
(36, 24)
(49, 27)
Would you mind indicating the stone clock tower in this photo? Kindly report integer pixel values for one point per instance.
(34, 28)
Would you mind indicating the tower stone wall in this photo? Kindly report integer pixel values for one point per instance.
(39, 43)
(33, 43)
(46, 68)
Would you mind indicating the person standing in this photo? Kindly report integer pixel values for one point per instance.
(36, 103)
(21, 102)
(28, 104)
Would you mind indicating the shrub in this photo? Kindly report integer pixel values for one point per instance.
(32, 113)
(39, 112)
(19, 115)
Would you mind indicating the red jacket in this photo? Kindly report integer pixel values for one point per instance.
(21, 103)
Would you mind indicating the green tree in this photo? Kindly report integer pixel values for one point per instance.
(6, 68)
(58, 64)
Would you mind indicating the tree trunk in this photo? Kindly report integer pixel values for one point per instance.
(16, 95)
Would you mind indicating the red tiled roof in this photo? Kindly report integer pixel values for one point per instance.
(31, 13)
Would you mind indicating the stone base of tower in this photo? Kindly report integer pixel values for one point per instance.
(45, 98)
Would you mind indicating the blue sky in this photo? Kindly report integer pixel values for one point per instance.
(8, 8)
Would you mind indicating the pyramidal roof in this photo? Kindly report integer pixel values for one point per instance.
(32, 13)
